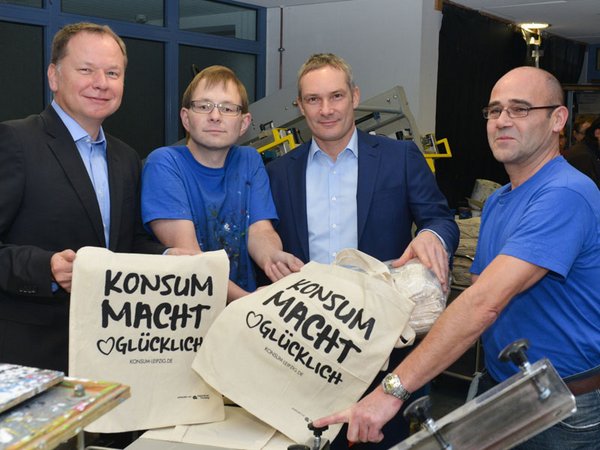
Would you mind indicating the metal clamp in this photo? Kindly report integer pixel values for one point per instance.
(420, 410)
(515, 352)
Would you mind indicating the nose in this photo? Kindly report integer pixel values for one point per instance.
(326, 107)
(100, 79)
(504, 119)
(215, 114)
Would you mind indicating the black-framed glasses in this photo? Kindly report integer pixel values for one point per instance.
(514, 112)
(204, 107)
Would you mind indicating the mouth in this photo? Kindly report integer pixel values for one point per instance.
(328, 123)
(99, 99)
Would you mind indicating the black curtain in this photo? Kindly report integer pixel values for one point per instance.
(474, 52)
(562, 58)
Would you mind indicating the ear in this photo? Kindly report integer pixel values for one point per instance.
(53, 77)
(300, 107)
(355, 97)
(597, 133)
(246, 119)
(185, 119)
(560, 116)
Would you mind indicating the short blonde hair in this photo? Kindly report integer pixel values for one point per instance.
(319, 60)
(63, 36)
(215, 75)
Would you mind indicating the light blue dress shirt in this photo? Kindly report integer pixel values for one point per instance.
(331, 201)
(93, 154)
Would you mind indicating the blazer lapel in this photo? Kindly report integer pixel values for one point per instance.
(62, 145)
(297, 188)
(368, 167)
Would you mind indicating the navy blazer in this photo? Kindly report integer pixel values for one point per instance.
(395, 189)
(48, 204)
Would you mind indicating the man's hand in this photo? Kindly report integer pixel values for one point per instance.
(61, 266)
(280, 264)
(427, 247)
(366, 418)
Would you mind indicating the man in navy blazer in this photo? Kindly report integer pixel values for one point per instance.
(54, 199)
(396, 188)
(349, 189)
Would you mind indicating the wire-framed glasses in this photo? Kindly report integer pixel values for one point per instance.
(205, 107)
(514, 112)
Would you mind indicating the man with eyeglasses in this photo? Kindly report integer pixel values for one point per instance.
(212, 194)
(536, 273)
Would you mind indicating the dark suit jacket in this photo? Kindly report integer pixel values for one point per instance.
(48, 204)
(395, 189)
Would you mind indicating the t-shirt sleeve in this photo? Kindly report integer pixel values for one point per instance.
(552, 231)
(163, 188)
(261, 204)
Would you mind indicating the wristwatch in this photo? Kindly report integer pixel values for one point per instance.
(392, 385)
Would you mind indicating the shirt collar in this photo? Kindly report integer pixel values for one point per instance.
(352, 146)
(75, 130)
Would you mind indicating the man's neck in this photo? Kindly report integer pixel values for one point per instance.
(333, 148)
(215, 159)
(520, 173)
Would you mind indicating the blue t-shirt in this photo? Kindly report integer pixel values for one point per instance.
(222, 203)
(553, 221)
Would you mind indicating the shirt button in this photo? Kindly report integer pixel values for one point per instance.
(333, 199)
(334, 226)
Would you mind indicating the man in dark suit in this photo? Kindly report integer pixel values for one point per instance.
(349, 189)
(64, 184)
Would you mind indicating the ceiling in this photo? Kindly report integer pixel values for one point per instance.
(572, 19)
(578, 20)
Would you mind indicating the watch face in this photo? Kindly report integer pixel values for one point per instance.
(392, 385)
(389, 383)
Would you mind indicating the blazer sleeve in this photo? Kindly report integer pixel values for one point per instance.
(24, 269)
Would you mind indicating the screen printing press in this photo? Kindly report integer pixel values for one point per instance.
(40, 409)
(529, 402)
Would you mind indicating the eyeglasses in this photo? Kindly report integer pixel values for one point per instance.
(514, 112)
(227, 109)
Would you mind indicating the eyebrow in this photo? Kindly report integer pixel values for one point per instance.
(512, 101)
(337, 91)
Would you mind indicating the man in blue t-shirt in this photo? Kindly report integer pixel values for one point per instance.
(536, 272)
(212, 194)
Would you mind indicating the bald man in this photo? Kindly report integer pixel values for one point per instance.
(536, 274)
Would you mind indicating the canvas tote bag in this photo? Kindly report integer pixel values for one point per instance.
(139, 320)
(307, 345)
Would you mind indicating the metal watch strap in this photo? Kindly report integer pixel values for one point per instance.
(392, 385)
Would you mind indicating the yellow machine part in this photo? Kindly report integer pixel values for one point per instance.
(431, 157)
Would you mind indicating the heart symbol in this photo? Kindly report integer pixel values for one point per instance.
(106, 346)
(253, 320)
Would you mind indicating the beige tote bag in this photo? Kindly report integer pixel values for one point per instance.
(307, 345)
(139, 320)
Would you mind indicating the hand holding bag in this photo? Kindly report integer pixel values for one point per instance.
(307, 345)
